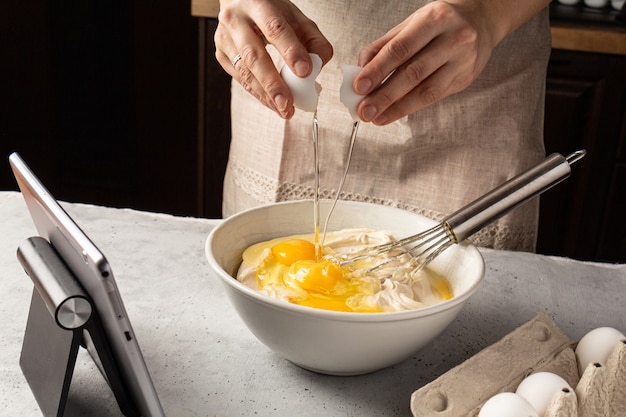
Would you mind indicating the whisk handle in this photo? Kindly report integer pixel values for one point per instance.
(513, 193)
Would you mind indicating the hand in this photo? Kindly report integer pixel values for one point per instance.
(247, 26)
(437, 51)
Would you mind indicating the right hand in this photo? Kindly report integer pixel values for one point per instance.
(245, 28)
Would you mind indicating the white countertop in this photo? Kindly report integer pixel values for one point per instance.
(205, 362)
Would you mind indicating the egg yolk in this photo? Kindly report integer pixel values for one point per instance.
(293, 250)
(321, 283)
(321, 276)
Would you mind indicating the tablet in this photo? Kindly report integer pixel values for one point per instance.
(93, 271)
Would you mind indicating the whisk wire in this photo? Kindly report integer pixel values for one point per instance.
(412, 253)
(431, 243)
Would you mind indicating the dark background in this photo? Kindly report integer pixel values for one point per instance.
(101, 99)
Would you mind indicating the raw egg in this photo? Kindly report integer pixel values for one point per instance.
(315, 282)
(293, 250)
(294, 269)
(316, 276)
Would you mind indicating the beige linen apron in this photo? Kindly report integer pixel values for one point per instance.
(432, 162)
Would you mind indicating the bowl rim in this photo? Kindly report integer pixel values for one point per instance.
(227, 279)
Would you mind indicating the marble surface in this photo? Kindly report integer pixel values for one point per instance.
(205, 362)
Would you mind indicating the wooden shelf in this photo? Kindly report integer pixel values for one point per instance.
(589, 39)
(205, 8)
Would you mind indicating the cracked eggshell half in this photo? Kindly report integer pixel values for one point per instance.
(347, 95)
(305, 90)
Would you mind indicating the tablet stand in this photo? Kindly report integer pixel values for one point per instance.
(61, 319)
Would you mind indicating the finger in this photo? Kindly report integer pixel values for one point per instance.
(367, 53)
(314, 41)
(441, 84)
(405, 79)
(295, 36)
(256, 70)
(236, 68)
(245, 78)
(257, 64)
(225, 50)
(417, 32)
(322, 47)
(229, 58)
(282, 36)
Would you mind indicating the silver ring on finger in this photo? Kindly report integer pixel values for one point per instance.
(236, 59)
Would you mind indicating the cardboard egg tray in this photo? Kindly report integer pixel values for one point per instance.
(538, 345)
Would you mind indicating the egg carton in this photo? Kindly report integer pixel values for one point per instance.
(538, 345)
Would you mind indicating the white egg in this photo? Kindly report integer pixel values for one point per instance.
(596, 346)
(507, 404)
(347, 95)
(305, 90)
(540, 388)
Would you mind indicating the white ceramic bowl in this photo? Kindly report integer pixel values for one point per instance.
(332, 342)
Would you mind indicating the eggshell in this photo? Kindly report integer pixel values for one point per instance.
(507, 404)
(596, 346)
(305, 90)
(347, 95)
(540, 388)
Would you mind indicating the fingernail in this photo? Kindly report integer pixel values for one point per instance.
(382, 119)
(301, 68)
(369, 112)
(363, 86)
(281, 103)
